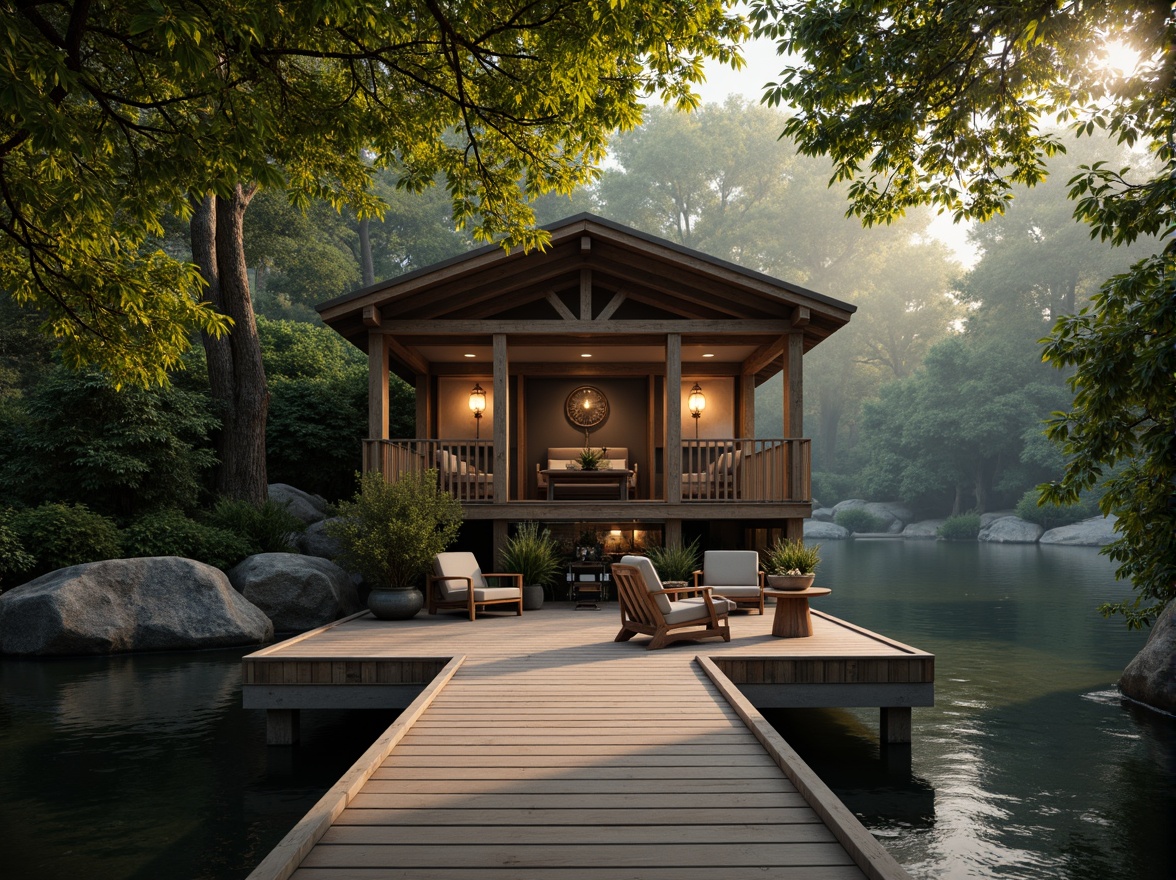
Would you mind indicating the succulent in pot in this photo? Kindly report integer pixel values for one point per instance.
(589, 459)
(791, 564)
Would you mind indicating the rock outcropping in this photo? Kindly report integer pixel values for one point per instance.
(1010, 530)
(1097, 531)
(308, 508)
(1151, 677)
(824, 531)
(153, 604)
(296, 592)
(893, 514)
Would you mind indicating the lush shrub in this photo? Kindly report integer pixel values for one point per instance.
(1050, 516)
(858, 519)
(675, 562)
(534, 553)
(13, 557)
(786, 556)
(964, 527)
(269, 528)
(390, 532)
(171, 533)
(76, 439)
(58, 535)
(829, 488)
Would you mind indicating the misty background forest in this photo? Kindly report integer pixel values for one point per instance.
(933, 395)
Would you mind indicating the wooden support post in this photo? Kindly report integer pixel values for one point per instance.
(672, 463)
(501, 420)
(281, 727)
(377, 386)
(895, 725)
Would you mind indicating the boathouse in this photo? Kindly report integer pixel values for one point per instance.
(613, 340)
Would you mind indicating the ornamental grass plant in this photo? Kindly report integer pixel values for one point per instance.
(674, 562)
(534, 553)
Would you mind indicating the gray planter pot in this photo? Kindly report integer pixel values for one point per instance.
(790, 581)
(532, 597)
(395, 604)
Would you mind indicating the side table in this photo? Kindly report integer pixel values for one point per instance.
(792, 620)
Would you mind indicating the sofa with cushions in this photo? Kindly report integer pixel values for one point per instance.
(559, 457)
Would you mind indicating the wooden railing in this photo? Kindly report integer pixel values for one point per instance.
(463, 466)
(736, 470)
(746, 469)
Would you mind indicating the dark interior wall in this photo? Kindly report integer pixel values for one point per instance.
(547, 425)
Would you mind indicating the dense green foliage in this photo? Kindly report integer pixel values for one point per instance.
(961, 527)
(269, 528)
(56, 535)
(918, 103)
(390, 532)
(675, 562)
(171, 532)
(75, 438)
(1032, 508)
(858, 519)
(14, 559)
(534, 553)
(788, 556)
(117, 113)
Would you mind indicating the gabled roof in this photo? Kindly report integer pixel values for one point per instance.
(635, 277)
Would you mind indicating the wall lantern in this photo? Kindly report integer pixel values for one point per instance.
(477, 407)
(697, 404)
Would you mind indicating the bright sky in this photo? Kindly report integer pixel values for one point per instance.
(764, 66)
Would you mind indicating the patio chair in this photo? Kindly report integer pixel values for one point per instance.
(647, 607)
(734, 575)
(458, 582)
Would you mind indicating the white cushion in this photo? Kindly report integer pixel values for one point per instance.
(486, 595)
(561, 464)
(730, 568)
(652, 581)
(459, 563)
(722, 606)
(740, 591)
(692, 609)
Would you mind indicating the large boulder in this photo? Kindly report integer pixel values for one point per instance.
(161, 603)
(927, 529)
(987, 519)
(823, 514)
(1151, 677)
(1010, 530)
(316, 542)
(824, 531)
(308, 508)
(893, 514)
(1094, 532)
(296, 592)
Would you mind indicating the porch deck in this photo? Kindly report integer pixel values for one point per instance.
(535, 746)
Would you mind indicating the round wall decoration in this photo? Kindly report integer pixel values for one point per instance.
(586, 407)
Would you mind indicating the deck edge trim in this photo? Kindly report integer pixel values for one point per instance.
(865, 850)
(283, 860)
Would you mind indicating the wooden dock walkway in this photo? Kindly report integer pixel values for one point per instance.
(539, 748)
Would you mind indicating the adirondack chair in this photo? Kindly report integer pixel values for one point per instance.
(458, 582)
(734, 575)
(647, 607)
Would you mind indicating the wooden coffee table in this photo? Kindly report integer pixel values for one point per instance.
(792, 620)
(606, 477)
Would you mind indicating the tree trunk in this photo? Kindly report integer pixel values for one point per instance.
(242, 473)
(365, 253)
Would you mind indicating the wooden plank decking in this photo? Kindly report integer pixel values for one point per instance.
(545, 750)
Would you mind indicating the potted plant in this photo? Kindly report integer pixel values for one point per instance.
(534, 554)
(791, 565)
(390, 532)
(589, 459)
(674, 563)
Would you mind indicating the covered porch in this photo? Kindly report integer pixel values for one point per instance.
(610, 340)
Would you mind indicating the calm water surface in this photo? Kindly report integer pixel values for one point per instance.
(1029, 766)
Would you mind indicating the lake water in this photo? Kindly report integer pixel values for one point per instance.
(1029, 766)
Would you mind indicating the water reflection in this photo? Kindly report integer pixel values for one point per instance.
(1029, 766)
(146, 767)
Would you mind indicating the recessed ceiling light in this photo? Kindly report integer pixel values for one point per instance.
(585, 355)
(469, 355)
(708, 355)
